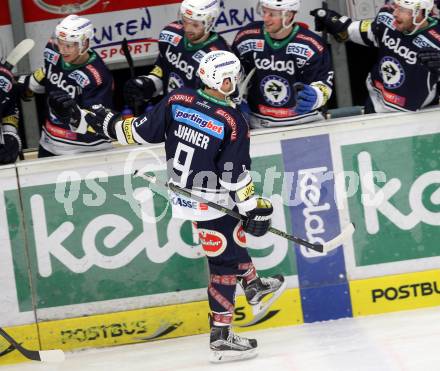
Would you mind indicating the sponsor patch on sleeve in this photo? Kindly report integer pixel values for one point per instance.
(246, 192)
(128, 131)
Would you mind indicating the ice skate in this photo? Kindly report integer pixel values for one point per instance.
(258, 289)
(227, 346)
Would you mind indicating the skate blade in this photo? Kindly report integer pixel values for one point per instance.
(223, 356)
(261, 308)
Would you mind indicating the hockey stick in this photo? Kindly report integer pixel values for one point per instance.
(129, 59)
(327, 246)
(50, 356)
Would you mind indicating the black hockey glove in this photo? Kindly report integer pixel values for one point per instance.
(139, 89)
(10, 149)
(22, 88)
(259, 219)
(332, 22)
(430, 59)
(96, 119)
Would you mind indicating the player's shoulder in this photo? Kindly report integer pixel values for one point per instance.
(433, 33)
(385, 17)
(92, 74)
(171, 34)
(250, 31)
(182, 95)
(51, 52)
(306, 36)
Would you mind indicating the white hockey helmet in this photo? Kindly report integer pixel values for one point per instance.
(218, 65)
(205, 11)
(416, 6)
(75, 29)
(289, 5)
(283, 5)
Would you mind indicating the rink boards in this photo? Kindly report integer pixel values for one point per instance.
(93, 256)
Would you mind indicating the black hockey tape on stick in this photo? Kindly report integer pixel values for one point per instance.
(129, 59)
(49, 356)
(327, 246)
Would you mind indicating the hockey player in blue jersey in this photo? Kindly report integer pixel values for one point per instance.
(207, 150)
(182, 44)
(405, 75)
(10, 143)
(291, 66)
(71, 66)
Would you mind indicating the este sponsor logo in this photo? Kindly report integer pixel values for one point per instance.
(250, 45)
(170, 38)
(423, 42)
(301, 50)
(51, 56)
(405, 291)
(80, 77)
(401, 50)
(5, 84)
(387, 19)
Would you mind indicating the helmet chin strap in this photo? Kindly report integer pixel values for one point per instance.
(418, 24)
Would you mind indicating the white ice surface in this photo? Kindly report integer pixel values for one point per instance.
(402, 341)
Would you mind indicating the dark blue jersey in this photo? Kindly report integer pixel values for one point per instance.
(178, 59)
(89, 84)
(397, 81)
(8, 101)
(206, 144)
(279, 64)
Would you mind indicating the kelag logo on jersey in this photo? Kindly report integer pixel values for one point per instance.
(423, 42)
(51, 56)
(199, 121)
(300, 50)
(170, 38)
(250, 45)
(80, 77)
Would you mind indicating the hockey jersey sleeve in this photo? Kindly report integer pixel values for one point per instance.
(368, 31)
(147, 128)
(319, 73)
(99, 91)
(234, 163)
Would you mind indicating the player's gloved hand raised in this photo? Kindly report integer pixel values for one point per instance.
(306, 98)
(431, 59)
(331, 21)
(139, 89)
(10, 148)
(259, 219)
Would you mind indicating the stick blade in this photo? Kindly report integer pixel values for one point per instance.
(340, 239)
(52, 356)
(24, 47)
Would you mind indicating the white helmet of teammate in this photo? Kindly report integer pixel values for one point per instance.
(283, 5)
(205, 11)
(75, 29)
(218, 65)
(416, 6)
